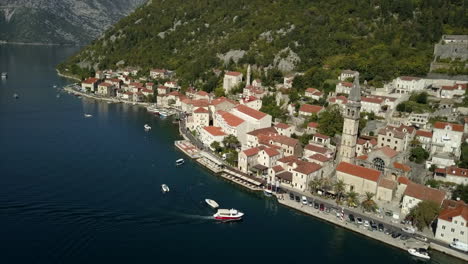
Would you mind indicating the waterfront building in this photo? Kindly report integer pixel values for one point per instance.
(253, 136)
(90, 84)
(232, 125)
(347, 150)
(357, 178)
(451, 174)
(416, 193)
(199, 118)
(303, 172)
(452, 223)
(210, 134)
(254, 118)
(105, 89)
(259, 159)
(289, 146)
(231, 80)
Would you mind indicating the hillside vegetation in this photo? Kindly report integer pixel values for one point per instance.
(379, 38)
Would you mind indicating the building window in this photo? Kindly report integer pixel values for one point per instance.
(443, 227)
(456, 222)
(453, 230)
(462, 232)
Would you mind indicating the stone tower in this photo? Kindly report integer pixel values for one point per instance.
(247, 83)
(351, 124)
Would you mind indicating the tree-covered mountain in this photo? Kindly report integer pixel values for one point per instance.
(379, 38)
(60, 21)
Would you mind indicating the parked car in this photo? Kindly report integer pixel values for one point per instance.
(389, 213)
(311, 203)
(291, 196)
(421, 238)
(316, 205)
(373, 226)
(381, 227)
(408, 230)
(322, 207)
(351, 218)
(366, 223)
(359, 221)
(396, 235)
(304, 200)
(387, 232)
(404, 237)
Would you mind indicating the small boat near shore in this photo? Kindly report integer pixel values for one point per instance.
(88, 115)
(16, 96)
(165, 188)
(212, 203)
(267, 192)
(147, 127)
(4, 75)
(459, 245)
(228, 215)
(179, 162)
(419, 252)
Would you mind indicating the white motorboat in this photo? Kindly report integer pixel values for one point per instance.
(228, 215)
(4, 75)
(212, 203)
(419, 252)
(88, 115)
(408, 230)
(55, 86)
(165, 188)
(179, 162)
(163, 113)
(267, 192)
(459, 245)
(16, 96)
(147, 127)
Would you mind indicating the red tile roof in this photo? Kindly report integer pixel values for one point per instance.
(282, 126)
(231, 119)
(453, 171)
(371, 100)
(310, 108)
(358, 171)
(250, 112)
(278, 168)
(90, 80)
(401, 166)
(387, 183)
(284, 140)
(201, 110)
(362, 157)
(409, 78)
(215, 131)
(251, 151)
(317, 149)
(263, 131)
(313, 124)
(307, 168)
(423, 133)
(222, 100)
(232, 73)
(105, 84)
(424, 193)
(442, 125)
(321, 136)
(387, 151)
(460, 209)
(271, 152)
(288, 159)
(403, 180)
(320, 157)
(346, 84)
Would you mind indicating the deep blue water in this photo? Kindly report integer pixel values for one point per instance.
(87, 190)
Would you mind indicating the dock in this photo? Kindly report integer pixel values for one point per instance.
(188, 148)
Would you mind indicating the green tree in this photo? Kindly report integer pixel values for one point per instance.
(352, 199)
(315, 184)
(219, 92)
(231, 142)
(339, 188)
(461, 191)
(423, 214)
(216, 146)
(368, 204)
(418, 155)
(330, 121)
(463, 163)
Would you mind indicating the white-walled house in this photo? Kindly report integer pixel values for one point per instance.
(452, 223)
(345, 74)
(232, 125)
(313, 93)
(416, 193)
(451, 174)
(408, 84)
(343, 88)
(210, 134)
(90, 84)
(371, 105)
(231, 80)
(449, 91)
(254, 118)
(447, 137)
(308, 110)
(284, 129)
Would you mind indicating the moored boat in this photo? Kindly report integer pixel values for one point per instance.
(88, 115)
(16, 96)
(163, 113)
(459, 245)
(179, 162)
(267, 192)
(165, 188)
(212, 203)
(419, 252)
(4, 75)
(228, 215)
(147, 127)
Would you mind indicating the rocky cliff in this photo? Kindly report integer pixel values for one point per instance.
(60, 21)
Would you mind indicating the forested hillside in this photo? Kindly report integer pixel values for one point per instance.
(379, 38)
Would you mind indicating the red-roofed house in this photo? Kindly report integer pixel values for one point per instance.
(447, 137)
(259, 158)
(303, 172)
(284, 129)
(452, 174)
(343, 87)
(312, 128)
(425, 138)
(365, 144)
(320, 139)
(371, 105)
(210, 134)
(452, 224)
(289, 146)
(231, 80)
(358, 179)
(105, 89)
(254, 118)
(163, 90)
(90, 84)
(408, 84)
(201, 95)
(307, 109)
(222, 103)
(313, 93)
(341, 101)
(199, 118)
(458, 89)
(252, 102)
(232, 125)
(158, 73)
(416, 193)
(312, 149)
(397, 138)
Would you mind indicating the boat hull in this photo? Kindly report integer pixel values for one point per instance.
(228, 218)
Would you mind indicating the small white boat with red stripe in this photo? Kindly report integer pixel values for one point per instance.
(228, 215)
